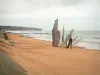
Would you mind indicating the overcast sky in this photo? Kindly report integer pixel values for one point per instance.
(77, 14)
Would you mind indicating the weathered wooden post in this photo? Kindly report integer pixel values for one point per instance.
(55, 34)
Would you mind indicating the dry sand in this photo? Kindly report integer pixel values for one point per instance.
(40, 58)
(7, 64)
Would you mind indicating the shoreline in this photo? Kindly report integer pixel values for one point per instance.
(20, 35)
(34, 38)
(81, 44)
(85, 42)
(69, 48)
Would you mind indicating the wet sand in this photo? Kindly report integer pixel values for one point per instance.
(40, 58)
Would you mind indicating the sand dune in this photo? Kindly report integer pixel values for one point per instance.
(40, 58)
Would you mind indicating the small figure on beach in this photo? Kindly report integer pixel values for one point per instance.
(70, 42)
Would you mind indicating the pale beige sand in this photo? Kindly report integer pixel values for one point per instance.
(40, 58)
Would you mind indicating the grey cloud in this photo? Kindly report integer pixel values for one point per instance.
(28, 6)
(13, 6)
(10, 6)
(48, 3)
(72, 2)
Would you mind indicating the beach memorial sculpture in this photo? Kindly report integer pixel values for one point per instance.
(68, 37)
(65, 42)
(55, 34)
(69, 41)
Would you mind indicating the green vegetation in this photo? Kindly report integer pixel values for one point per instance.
(19, 28)
(21, 35)
(6, 36)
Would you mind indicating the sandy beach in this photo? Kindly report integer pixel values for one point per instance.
(40, 58)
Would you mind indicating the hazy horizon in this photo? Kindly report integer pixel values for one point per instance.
(73, 14)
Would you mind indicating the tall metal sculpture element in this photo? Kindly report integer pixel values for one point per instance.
(55, 34)
(62, 40)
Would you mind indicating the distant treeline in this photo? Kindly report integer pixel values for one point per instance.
(19, 28)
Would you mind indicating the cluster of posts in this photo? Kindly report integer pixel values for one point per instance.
(67, 42)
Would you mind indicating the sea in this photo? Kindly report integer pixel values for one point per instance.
(85, 39)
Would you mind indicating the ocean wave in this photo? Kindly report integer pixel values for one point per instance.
(96, 37)
(42, 33)
(92, 42)
(37, 33)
